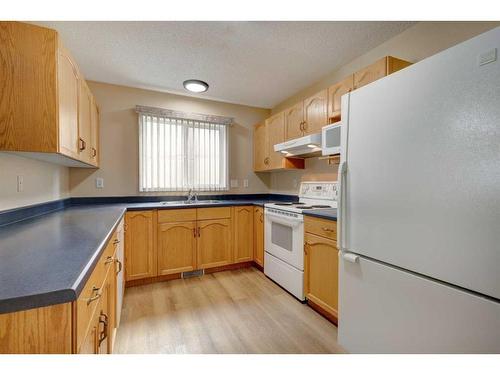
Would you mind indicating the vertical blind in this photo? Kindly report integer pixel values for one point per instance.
(180, 154)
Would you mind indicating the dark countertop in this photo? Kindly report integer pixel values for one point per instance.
(327, 213)
(47, 259)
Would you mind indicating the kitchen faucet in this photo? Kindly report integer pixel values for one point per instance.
(192, 195)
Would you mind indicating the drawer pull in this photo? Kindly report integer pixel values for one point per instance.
(109, 260)
(327, 229)
(120, 266)
(116, 241)
(103, 318)
(98, 294)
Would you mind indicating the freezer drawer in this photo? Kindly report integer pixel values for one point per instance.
(386, 310)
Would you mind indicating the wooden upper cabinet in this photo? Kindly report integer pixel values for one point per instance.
(260, 147)
(94, 133)
(68, 85)
(266, 135)
(140, 244)
(258, 240)
(294, 121)
(39, 106)
(315, 112)
(176, 247)
(243, 233)
(214, 243)
(84, 123)
(377, 70)
(335, 93)
(275, 130)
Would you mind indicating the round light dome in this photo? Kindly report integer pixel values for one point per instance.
(195, 85)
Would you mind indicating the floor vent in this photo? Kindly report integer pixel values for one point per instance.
(195, 273)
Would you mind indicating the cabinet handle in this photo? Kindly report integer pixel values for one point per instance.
(120, 266)
(98, 294)
(199, 232)
(116, 241)
(305, 247)
(194, 232)
(83, 144)
(94, 152)
(304, 126)
(109, 260)
(103, 318)
(328, 229)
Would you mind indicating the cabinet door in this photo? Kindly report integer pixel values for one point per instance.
(321, 272)
(176, 247)
(94, 133)
(104, 319)
(260, 147)
(258, 230)
(89, 344)
(140, 245)
(294, 121)
(371, 73)
(315, 112)
(275, 130)
(214, 243)
(67, 81)
(243, 233)
(84, 122)
(335, 92)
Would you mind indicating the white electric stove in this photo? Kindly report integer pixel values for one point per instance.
(284, 234)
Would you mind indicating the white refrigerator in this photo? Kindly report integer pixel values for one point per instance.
(419, 210)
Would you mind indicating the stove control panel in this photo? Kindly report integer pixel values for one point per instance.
(319, 190)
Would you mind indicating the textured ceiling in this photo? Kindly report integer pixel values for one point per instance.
(253, 63)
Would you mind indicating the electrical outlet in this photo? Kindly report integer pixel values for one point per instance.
(234, 183)
(20, 184)
(99, 182)
(245, 183)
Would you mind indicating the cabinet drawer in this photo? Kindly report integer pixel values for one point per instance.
(321, 227)
(213, 213)
(183, 214)
(88, 299)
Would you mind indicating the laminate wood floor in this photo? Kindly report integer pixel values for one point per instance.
(239, 311)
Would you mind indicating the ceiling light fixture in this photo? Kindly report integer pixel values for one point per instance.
(195, 85)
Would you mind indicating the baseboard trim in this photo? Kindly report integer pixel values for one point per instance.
(328, 315)
(174, 276)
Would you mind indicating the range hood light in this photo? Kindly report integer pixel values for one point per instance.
(306, 146)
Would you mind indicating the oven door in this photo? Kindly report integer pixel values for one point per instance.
(284, 238)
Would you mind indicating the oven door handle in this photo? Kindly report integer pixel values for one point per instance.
(288, 221)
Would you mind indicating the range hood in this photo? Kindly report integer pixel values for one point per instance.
(307, 146)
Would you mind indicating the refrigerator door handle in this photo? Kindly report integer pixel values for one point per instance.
(340, 208)
(350, 257)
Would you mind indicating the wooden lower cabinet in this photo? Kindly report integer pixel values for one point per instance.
(140, 244)
(176, 247)
(243, 233)
(258, 230)
(214, 243)
(321, 271)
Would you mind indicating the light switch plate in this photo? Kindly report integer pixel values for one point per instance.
(245, 183)
(99, 182)
(488, 57)
(234, 183)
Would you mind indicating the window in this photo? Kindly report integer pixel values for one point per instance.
(178, 154)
